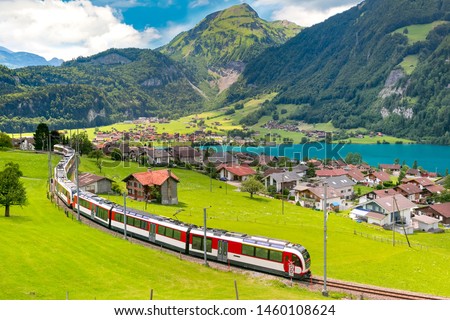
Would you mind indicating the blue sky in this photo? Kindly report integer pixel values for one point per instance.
(70, 28)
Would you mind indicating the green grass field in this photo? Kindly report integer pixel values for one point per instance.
(418, 32)
(44, 253)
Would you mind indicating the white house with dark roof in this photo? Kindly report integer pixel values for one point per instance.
(389, 210)
(343, 186)
(283, 180)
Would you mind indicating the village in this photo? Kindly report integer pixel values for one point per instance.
(394, 196)
(405, 205)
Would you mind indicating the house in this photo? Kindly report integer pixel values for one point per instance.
(27, 144)
(265, 160)
(330, 172)
(389, 210)
(425, 223)
(95, 184)
(439, 211)
(421, 182)
(223, 157)
(410, 191)
(356, 175)
(377, 194)
(343, 186)
(235, 173)
(156, 156)
(283, 180)
(390, 168)
(185, 154)
(377, 178)
(413, 173)
(158, 184)
(313, 197)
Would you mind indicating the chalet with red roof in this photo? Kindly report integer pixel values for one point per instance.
(331, 173)
(377, 177)
(410, 191)
(393, 168)
(235, 173)
(439, 211)
(159, 185)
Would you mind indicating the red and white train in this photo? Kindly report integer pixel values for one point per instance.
(258, 253)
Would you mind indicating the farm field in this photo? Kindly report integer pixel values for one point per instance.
(58, 255)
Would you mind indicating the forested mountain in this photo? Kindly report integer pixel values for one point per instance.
(383, 65)
(218, 48)
(111, 86)
(14, 60)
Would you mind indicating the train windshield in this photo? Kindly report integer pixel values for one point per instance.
(307, 258)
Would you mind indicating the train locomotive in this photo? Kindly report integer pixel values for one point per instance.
(264, 254)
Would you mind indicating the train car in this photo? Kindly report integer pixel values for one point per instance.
(166, 232)
(94, 207)
(258, 253)
(65, 189)
(59, 149)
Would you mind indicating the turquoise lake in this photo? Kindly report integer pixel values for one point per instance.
(434, 158)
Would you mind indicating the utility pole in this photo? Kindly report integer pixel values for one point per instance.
(324, 290)
(282, 193)
(50, 165)
(78, 185)
(125, 215)
(204, 236)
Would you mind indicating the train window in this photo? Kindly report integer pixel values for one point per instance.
(130, 221)
(296, 261)
(102, 213)
(276, 256)
(137, 223)
(248, 250)
(197, 243)
(169, 232)
(143, 225)
(84, 203)
(118, 217)
(161, 230)
(177, 234)
(261, 253)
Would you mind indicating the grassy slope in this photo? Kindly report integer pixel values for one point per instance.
(350, 256)
(416, 33)
(44, 254)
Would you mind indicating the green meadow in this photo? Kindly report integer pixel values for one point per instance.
(46, 254)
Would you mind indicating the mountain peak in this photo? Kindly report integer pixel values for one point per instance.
(240, 10)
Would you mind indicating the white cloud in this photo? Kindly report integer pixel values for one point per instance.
(198, 3)
(303, 12)
(306, 17)
(53, 28)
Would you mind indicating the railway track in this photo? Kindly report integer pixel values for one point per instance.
(371, 291)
